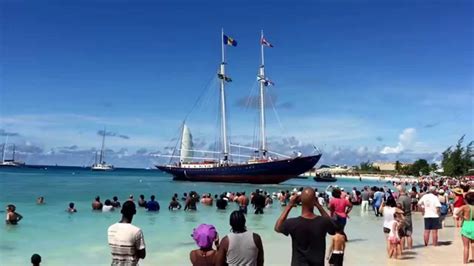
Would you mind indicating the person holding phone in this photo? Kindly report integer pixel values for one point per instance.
(308, 231)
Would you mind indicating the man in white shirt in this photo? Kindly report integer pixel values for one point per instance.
(126, 240)
(431, 209)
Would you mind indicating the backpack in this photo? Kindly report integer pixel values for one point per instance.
(444, 209)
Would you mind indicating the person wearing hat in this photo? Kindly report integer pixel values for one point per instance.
(443, 199)
(467, 229)
(458, 203)
(204, 235)
(126, 240)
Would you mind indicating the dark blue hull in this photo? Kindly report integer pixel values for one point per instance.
(273, 172)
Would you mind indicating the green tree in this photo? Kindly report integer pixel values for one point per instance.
(420, 166)
(433, 167)
(368, 167)
(458, 160)
(398, 166)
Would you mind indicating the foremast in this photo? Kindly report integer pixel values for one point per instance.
(4, 149)
(223, 79)
(263, 84)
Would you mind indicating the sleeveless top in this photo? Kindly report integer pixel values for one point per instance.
(467, 228)
(242, 249)
(388, 213)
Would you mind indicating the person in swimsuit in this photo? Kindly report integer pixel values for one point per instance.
(338, 245)
(191, 202)
(204, 236)
(395, 248)
(174, 205)
(467, 228)
(71, 208)
(12, 216)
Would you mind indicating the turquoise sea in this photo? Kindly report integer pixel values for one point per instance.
(81, 238)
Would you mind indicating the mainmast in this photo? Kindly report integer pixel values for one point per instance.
(263, 148)
(102, 148)
(4, 148)
(223, 79)
(13, 156)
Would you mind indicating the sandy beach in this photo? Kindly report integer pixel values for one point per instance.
(369, 248)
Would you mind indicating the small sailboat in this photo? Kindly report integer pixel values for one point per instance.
(101, 165)
(263, 168)
(10, 162)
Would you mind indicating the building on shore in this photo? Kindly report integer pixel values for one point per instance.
(388, 166)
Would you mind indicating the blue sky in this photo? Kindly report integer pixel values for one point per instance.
(376, 80)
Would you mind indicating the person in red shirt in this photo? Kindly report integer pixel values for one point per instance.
(458, 203)
(339, 208)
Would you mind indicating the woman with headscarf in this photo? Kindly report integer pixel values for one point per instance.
(204, 236)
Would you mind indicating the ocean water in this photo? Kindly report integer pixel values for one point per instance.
(81, 238)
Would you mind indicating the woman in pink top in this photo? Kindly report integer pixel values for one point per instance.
(339, 207)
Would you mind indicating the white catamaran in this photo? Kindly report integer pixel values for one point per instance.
(9, 162)
(101, 165)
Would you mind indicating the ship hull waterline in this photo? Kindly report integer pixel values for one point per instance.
(273, 172)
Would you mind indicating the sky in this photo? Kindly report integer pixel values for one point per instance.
(360, 80)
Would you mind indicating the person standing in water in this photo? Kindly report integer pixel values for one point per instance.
(240, 247)
(405, 205)
(12, 216)
(96, 204)
(308, 231)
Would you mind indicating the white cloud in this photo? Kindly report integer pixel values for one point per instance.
(406, 142)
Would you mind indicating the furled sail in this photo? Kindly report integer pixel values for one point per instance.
(186, 146)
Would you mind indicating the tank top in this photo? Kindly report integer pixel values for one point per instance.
(242, 249)
(459, 202)
(388, 213)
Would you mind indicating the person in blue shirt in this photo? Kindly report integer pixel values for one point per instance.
(378, 198)
(152, 205)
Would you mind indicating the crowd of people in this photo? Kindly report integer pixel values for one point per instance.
(434, 198)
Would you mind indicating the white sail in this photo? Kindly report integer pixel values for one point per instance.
(186, 146)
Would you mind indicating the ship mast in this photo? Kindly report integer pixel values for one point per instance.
(102, 148)
(13, 156)
(223, 78)
(263, 148)
(4, 148)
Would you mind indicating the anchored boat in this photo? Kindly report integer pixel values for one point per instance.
(262, 168)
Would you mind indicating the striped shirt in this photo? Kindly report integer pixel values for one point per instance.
(125, 240)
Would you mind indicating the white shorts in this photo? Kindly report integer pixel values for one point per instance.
(455, 212)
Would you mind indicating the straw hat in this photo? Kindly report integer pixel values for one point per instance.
(457, 190)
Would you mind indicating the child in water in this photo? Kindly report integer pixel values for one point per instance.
(395, 248)
(338, 245)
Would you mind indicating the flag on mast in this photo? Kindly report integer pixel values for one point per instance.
(264, 42)
(229, 41)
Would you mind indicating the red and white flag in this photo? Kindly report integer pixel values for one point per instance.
(264, 41)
